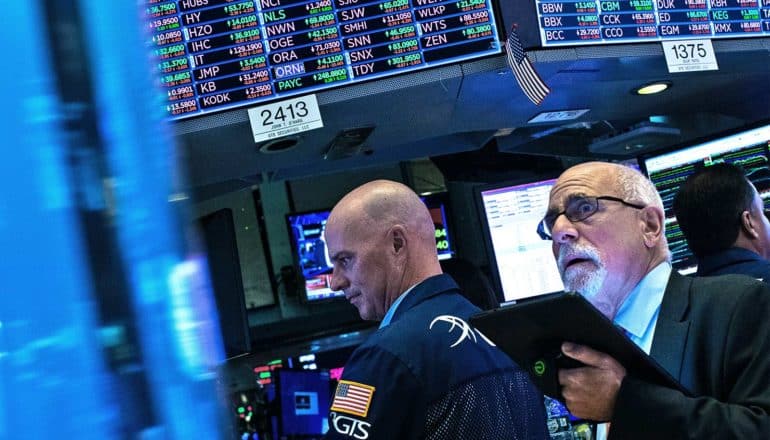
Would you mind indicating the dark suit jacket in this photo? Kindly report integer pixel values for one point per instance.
(713, 335)
(735, 260)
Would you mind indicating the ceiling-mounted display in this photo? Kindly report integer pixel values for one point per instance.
(623, 21)
(219, 54)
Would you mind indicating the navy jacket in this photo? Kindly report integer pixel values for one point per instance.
(429, 375)
(735, 261)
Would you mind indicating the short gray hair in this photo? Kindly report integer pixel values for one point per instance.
(636, 188)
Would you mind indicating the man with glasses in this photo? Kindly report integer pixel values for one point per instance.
(723, 219)
(712, 334)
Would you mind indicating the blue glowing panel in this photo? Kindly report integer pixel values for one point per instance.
(304, 398)
(311, 255)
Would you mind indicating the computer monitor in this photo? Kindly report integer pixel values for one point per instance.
(437, 206)
(304, 399)
(311, 256)
(747, 148)
(522, 263)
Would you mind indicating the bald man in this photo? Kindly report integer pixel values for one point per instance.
(712, 334)
(425, 373)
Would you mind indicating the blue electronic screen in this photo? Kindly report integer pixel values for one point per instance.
(312, 257)
(304, 400)
(667, 171)
(622, 21)
(218, 54)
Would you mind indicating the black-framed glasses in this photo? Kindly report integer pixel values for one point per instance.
(577, 210)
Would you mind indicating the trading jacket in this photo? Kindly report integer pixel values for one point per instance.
(429, 375)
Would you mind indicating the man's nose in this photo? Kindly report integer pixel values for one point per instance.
(563, 230)
(338, 282)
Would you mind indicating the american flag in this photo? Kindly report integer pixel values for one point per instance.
(529, 81)
(352, 398)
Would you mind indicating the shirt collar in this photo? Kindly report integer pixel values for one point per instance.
(392, 310)
(641, 307)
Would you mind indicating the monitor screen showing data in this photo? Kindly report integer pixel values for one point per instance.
(523, 262)
(437, 207)
(219, 54)
(310, 253)
(624, 21)
(668, 171)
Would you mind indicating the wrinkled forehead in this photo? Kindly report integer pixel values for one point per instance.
(589, 180)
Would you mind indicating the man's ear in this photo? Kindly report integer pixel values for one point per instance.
(747, 225)
(652, 221)
(398, 238)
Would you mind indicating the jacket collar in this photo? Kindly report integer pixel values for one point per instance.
(427, 288)
(673, 325)
(734, 255)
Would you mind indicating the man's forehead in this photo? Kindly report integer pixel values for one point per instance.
(342, 230)
(583, 181)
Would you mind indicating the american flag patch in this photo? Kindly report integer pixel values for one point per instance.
(352, 398)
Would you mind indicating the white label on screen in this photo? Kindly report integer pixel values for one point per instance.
(689, 55)
(292, 116)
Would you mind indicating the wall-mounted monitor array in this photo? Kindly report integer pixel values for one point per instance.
(522, 262)
(667, 171)
(312, 258)
(624, 21)
(219, 54)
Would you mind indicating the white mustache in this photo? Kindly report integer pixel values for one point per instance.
(569, 252)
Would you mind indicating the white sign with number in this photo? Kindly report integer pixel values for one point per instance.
(689, 55)
(283, 118)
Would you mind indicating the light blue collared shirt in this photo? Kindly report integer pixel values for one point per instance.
(639, 312)
(392, 310)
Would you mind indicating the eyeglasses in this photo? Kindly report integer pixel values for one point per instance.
(577, 210)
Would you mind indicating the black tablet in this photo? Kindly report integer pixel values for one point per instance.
(531, 333)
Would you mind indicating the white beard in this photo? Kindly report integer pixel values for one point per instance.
(584, 279)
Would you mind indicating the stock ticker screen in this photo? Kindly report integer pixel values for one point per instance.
(218, 54)
(748, 149)
(623, 21)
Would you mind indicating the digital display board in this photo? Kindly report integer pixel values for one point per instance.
(624, 21)
(748, 149)
(523, 262)
(219, 54)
